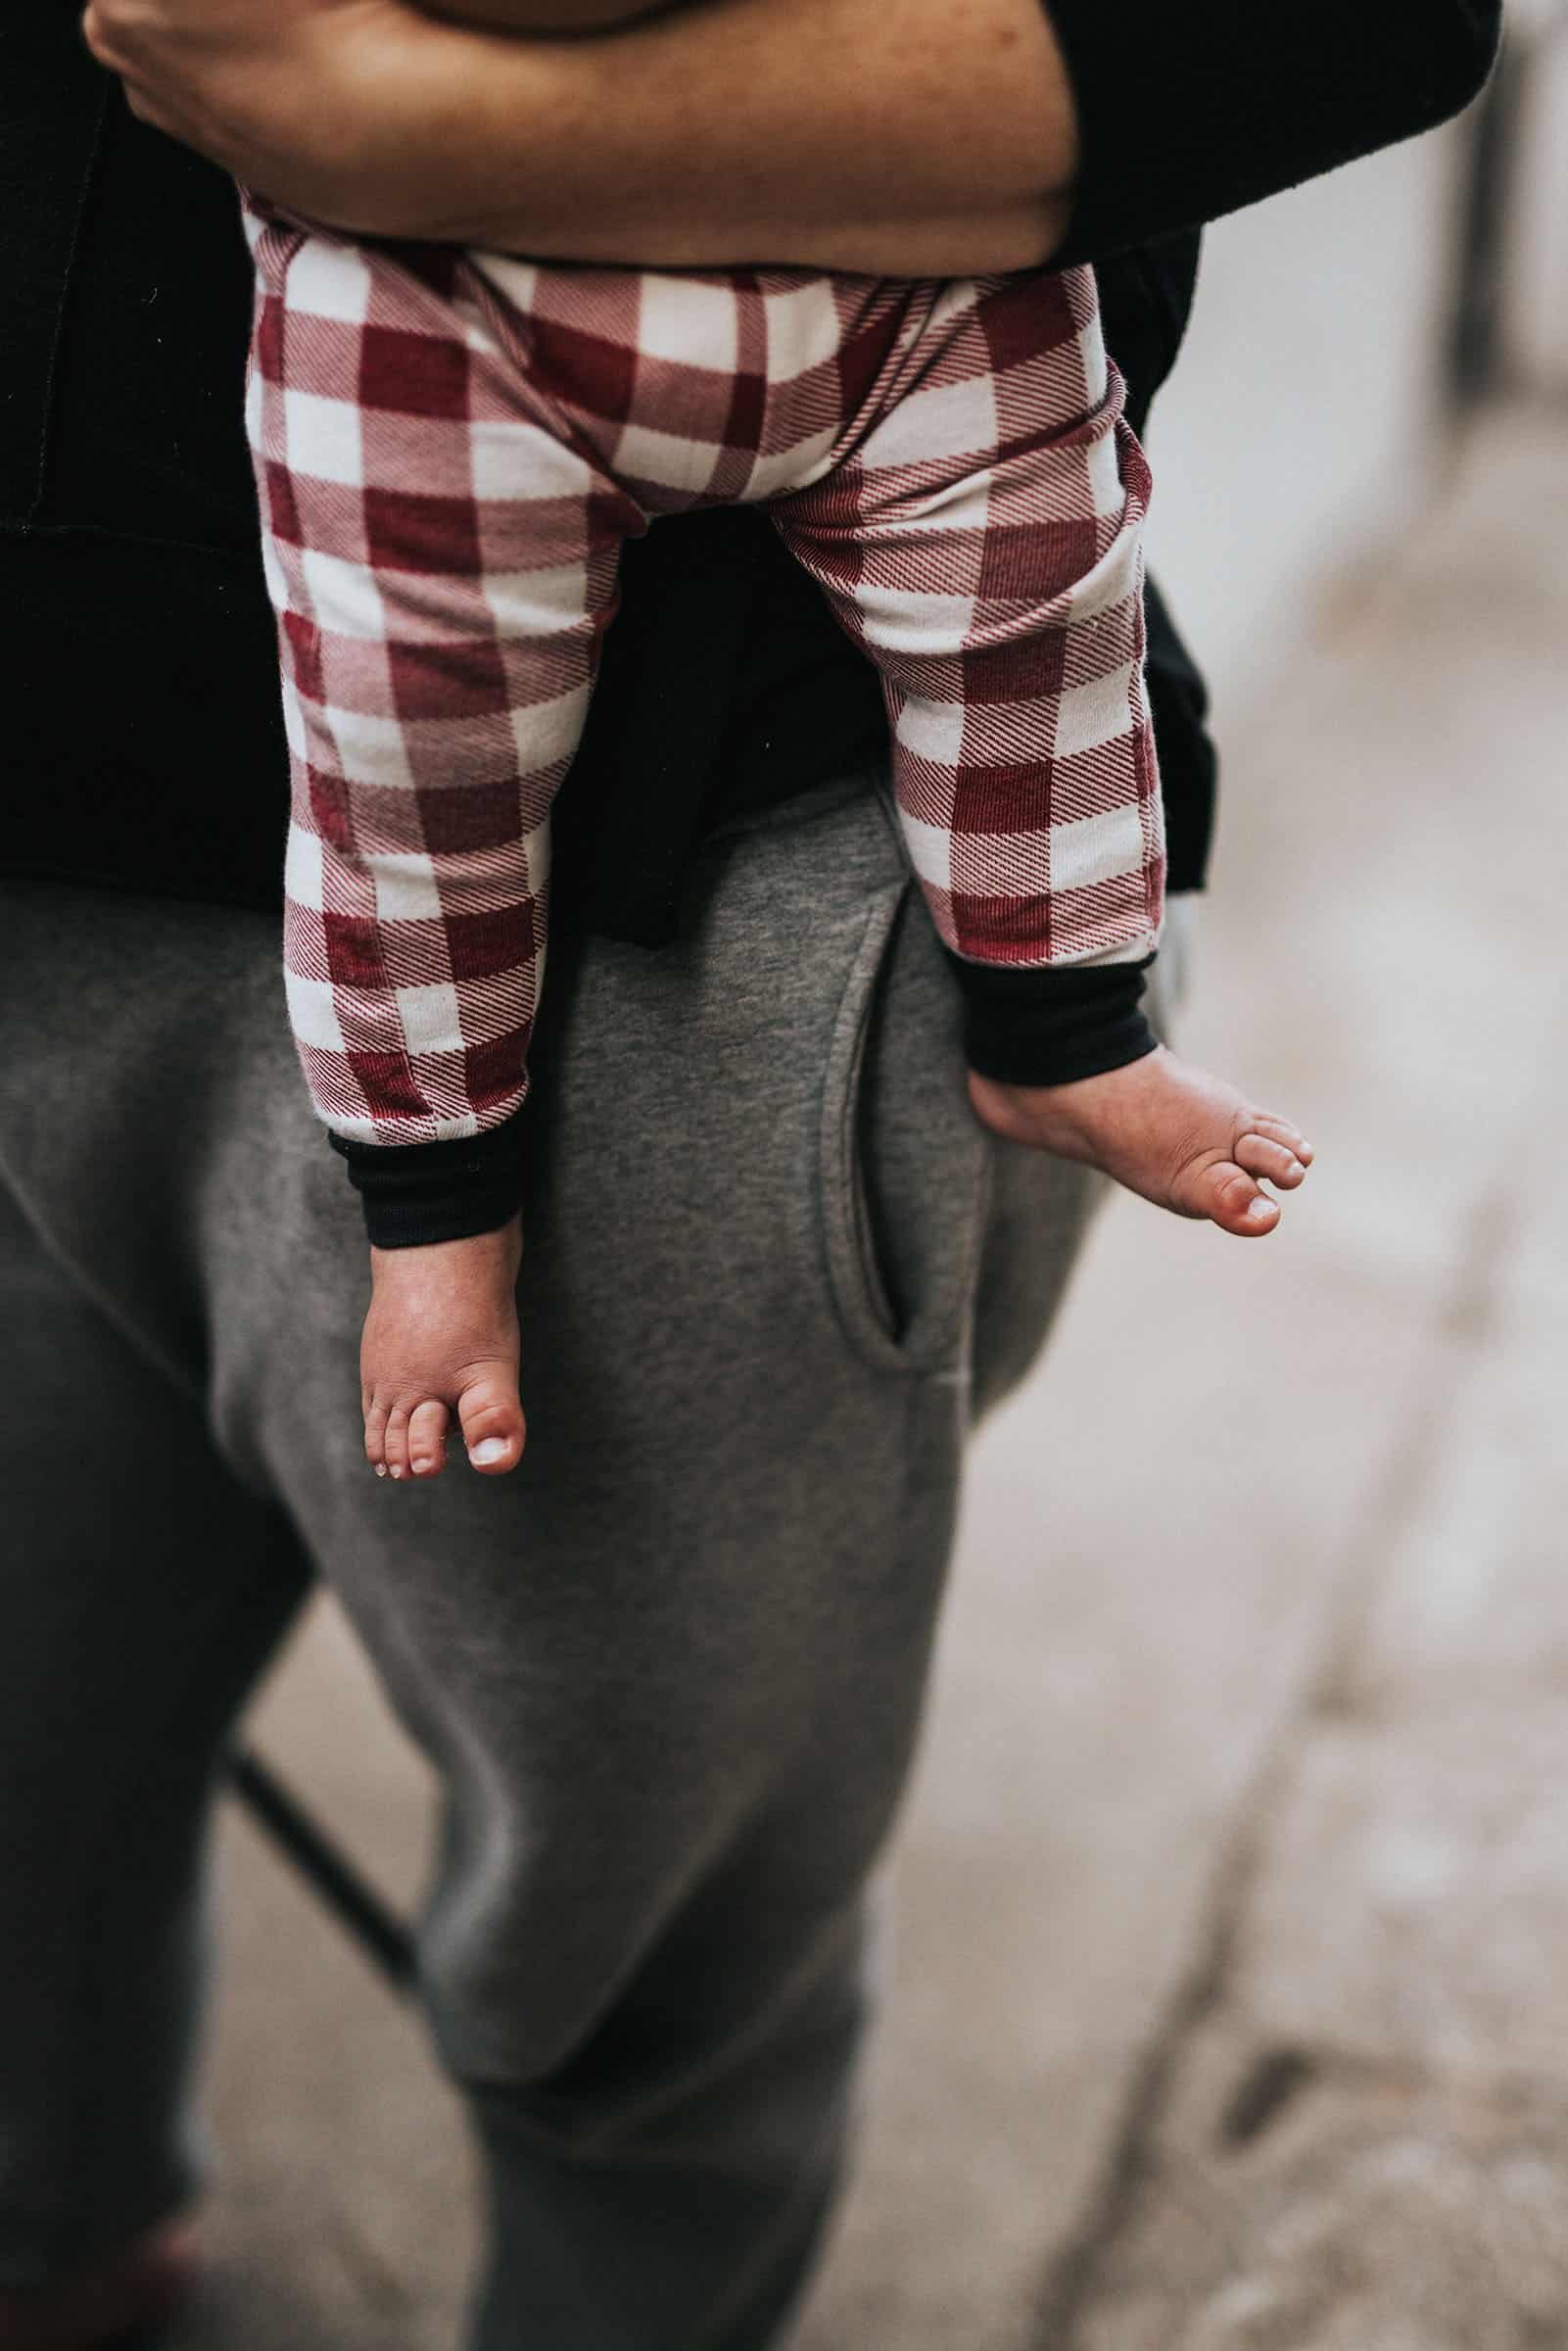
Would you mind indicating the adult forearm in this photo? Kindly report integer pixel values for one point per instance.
(920, 137)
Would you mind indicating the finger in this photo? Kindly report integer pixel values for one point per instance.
(395, 1441)
(99, 35)
(1261, 1155)
(493, 1424)
(427, 1438)
(159, 114)
(143, 105)
(1234, 1202)
(375, 1434)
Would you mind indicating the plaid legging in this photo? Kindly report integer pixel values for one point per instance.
(450, 447)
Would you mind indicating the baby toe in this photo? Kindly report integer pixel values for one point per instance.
(1282, 1131)
(427, 1438)
(493, 1424)
(375, 1437)
(1235, 1203)
(1263, 1155)
(394, 1444)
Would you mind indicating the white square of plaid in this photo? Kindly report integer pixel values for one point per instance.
(313, 1013)
(1103, 475)
(1092, 360)
(925, 427)
(804, 329)
(255, 406)
(687, 319)
(1097, 848)
(535, 864)
(301, 868)
(931, 850)
(432, 1022)
(536, 604)
(345, 599)
(328, 280)
(371, 750)
(406, 888)
(899, 619)
(322, 438)
(643, 457)
(1090, 715)
(510, 461)
(931, 731)
(296, 731)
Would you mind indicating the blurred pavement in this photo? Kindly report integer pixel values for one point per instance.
(1224, 2007)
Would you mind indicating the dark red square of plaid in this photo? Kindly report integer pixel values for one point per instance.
(417, 375)
(593, 373)
(406, 531)
(481, 944)
(353, 950)
(1022, 318)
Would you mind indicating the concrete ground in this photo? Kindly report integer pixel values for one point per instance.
(1226, 2009)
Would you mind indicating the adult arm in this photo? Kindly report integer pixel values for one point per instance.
(893, 136)
(896, 137)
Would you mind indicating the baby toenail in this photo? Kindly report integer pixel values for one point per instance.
(490, 1449)
(381, 1468)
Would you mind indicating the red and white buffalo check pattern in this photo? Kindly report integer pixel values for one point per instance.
(451, 447)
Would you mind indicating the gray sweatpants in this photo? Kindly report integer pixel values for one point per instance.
(669, 1673)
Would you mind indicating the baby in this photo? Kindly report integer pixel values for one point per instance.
(451, 448)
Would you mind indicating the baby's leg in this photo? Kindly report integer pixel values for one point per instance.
(443, 567)
(983, 543)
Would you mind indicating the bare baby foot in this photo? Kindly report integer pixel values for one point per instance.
(1167, 1130)
(441, 1337)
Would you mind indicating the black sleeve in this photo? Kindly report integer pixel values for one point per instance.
(1188, 111)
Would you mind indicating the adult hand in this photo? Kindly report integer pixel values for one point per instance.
(332, 107)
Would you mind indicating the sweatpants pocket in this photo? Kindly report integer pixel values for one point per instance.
(903, 1162)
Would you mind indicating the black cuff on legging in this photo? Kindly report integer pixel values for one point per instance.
(1050, 1026)
(417, 1193)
